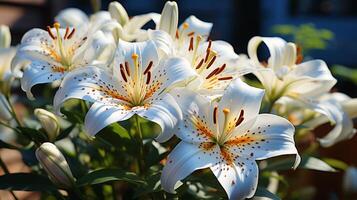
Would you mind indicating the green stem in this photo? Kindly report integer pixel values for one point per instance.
(12, 110)
(6, 171)
(139, 138)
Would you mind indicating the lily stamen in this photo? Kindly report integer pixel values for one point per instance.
(215, 115)
(71, 34)
(225, 78)
(240, 118)
(148, 67)
(200, 64)
(190, 47)
(67, 32)
(50, 33)
(211, 61)
(148, 78)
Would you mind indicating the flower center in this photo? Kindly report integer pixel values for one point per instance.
(65, 52)
(139, 84)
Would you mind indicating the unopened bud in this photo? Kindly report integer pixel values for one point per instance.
(118, 12)
(56, 166)
(169, 18)
(5, 36)
(49, 123)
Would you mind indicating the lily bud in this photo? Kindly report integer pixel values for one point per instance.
(4, 109)
(118, 12)
(350, 107)
(5, 36)
(169, 18)
(49, 123)
(56, 166)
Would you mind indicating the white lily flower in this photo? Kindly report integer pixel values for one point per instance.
(215, 62)
(72, 17)
(285, 75)
(55, 52)
(344, 108)
(5, 36)
(138, 85)
(227, 137)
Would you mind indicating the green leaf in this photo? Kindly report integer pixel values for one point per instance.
(106, 175)
(117, 136)
(263, 192)
(33, 134)
(277, 164)
(336, 163)
(73, 117)
(315, 164)
(65, 132)
(26, 182)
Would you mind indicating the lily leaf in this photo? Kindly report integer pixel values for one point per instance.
(33, 134)
(315, 164)
(26, 182)
(106, 175)
(263, 192)
(336, 163)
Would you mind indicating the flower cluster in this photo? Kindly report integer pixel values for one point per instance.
(178, 78)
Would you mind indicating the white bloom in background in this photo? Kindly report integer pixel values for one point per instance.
(349, 183)
(215, 63)
(130, 29)
(138, 85)
(49, 123)
(227, 137)
(5, 36)
(55, 52)
(6, 55)
(345, 110)
(72, 17)
(55, 164)
(285, 75)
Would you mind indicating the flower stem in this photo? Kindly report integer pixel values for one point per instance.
(139, 138)
(12, 110)
(6, 171)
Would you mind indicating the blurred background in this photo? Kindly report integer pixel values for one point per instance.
(325, 29)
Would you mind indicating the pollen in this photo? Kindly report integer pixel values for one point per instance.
(226, 111)
(185, 25)
(134, 56)
(57, 25)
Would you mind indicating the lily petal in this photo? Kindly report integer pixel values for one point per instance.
(239, 101)
(197, 26)
(72, 17)
(181, 162)
(39, 72)
(239, 180)
(166, 113)
(101, 115)
(310, 79)
(90, 84)
(270, 136)
(281, 52)
(163, 41)
(195, 108)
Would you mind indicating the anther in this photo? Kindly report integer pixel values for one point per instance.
(126, 65)
(200, 64)
(240, 118)
(66, 34)
(221, 69)
(214, 72)
(208, 51)
(190, 47)
(71, 34)
(209, 44)
(177, 34)
(225, 78)
(50, 33)
(215, 115)
(148, 67)
(122, 72)
(211, 62)
(148, 78)
(190, 34)
(127, 69)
